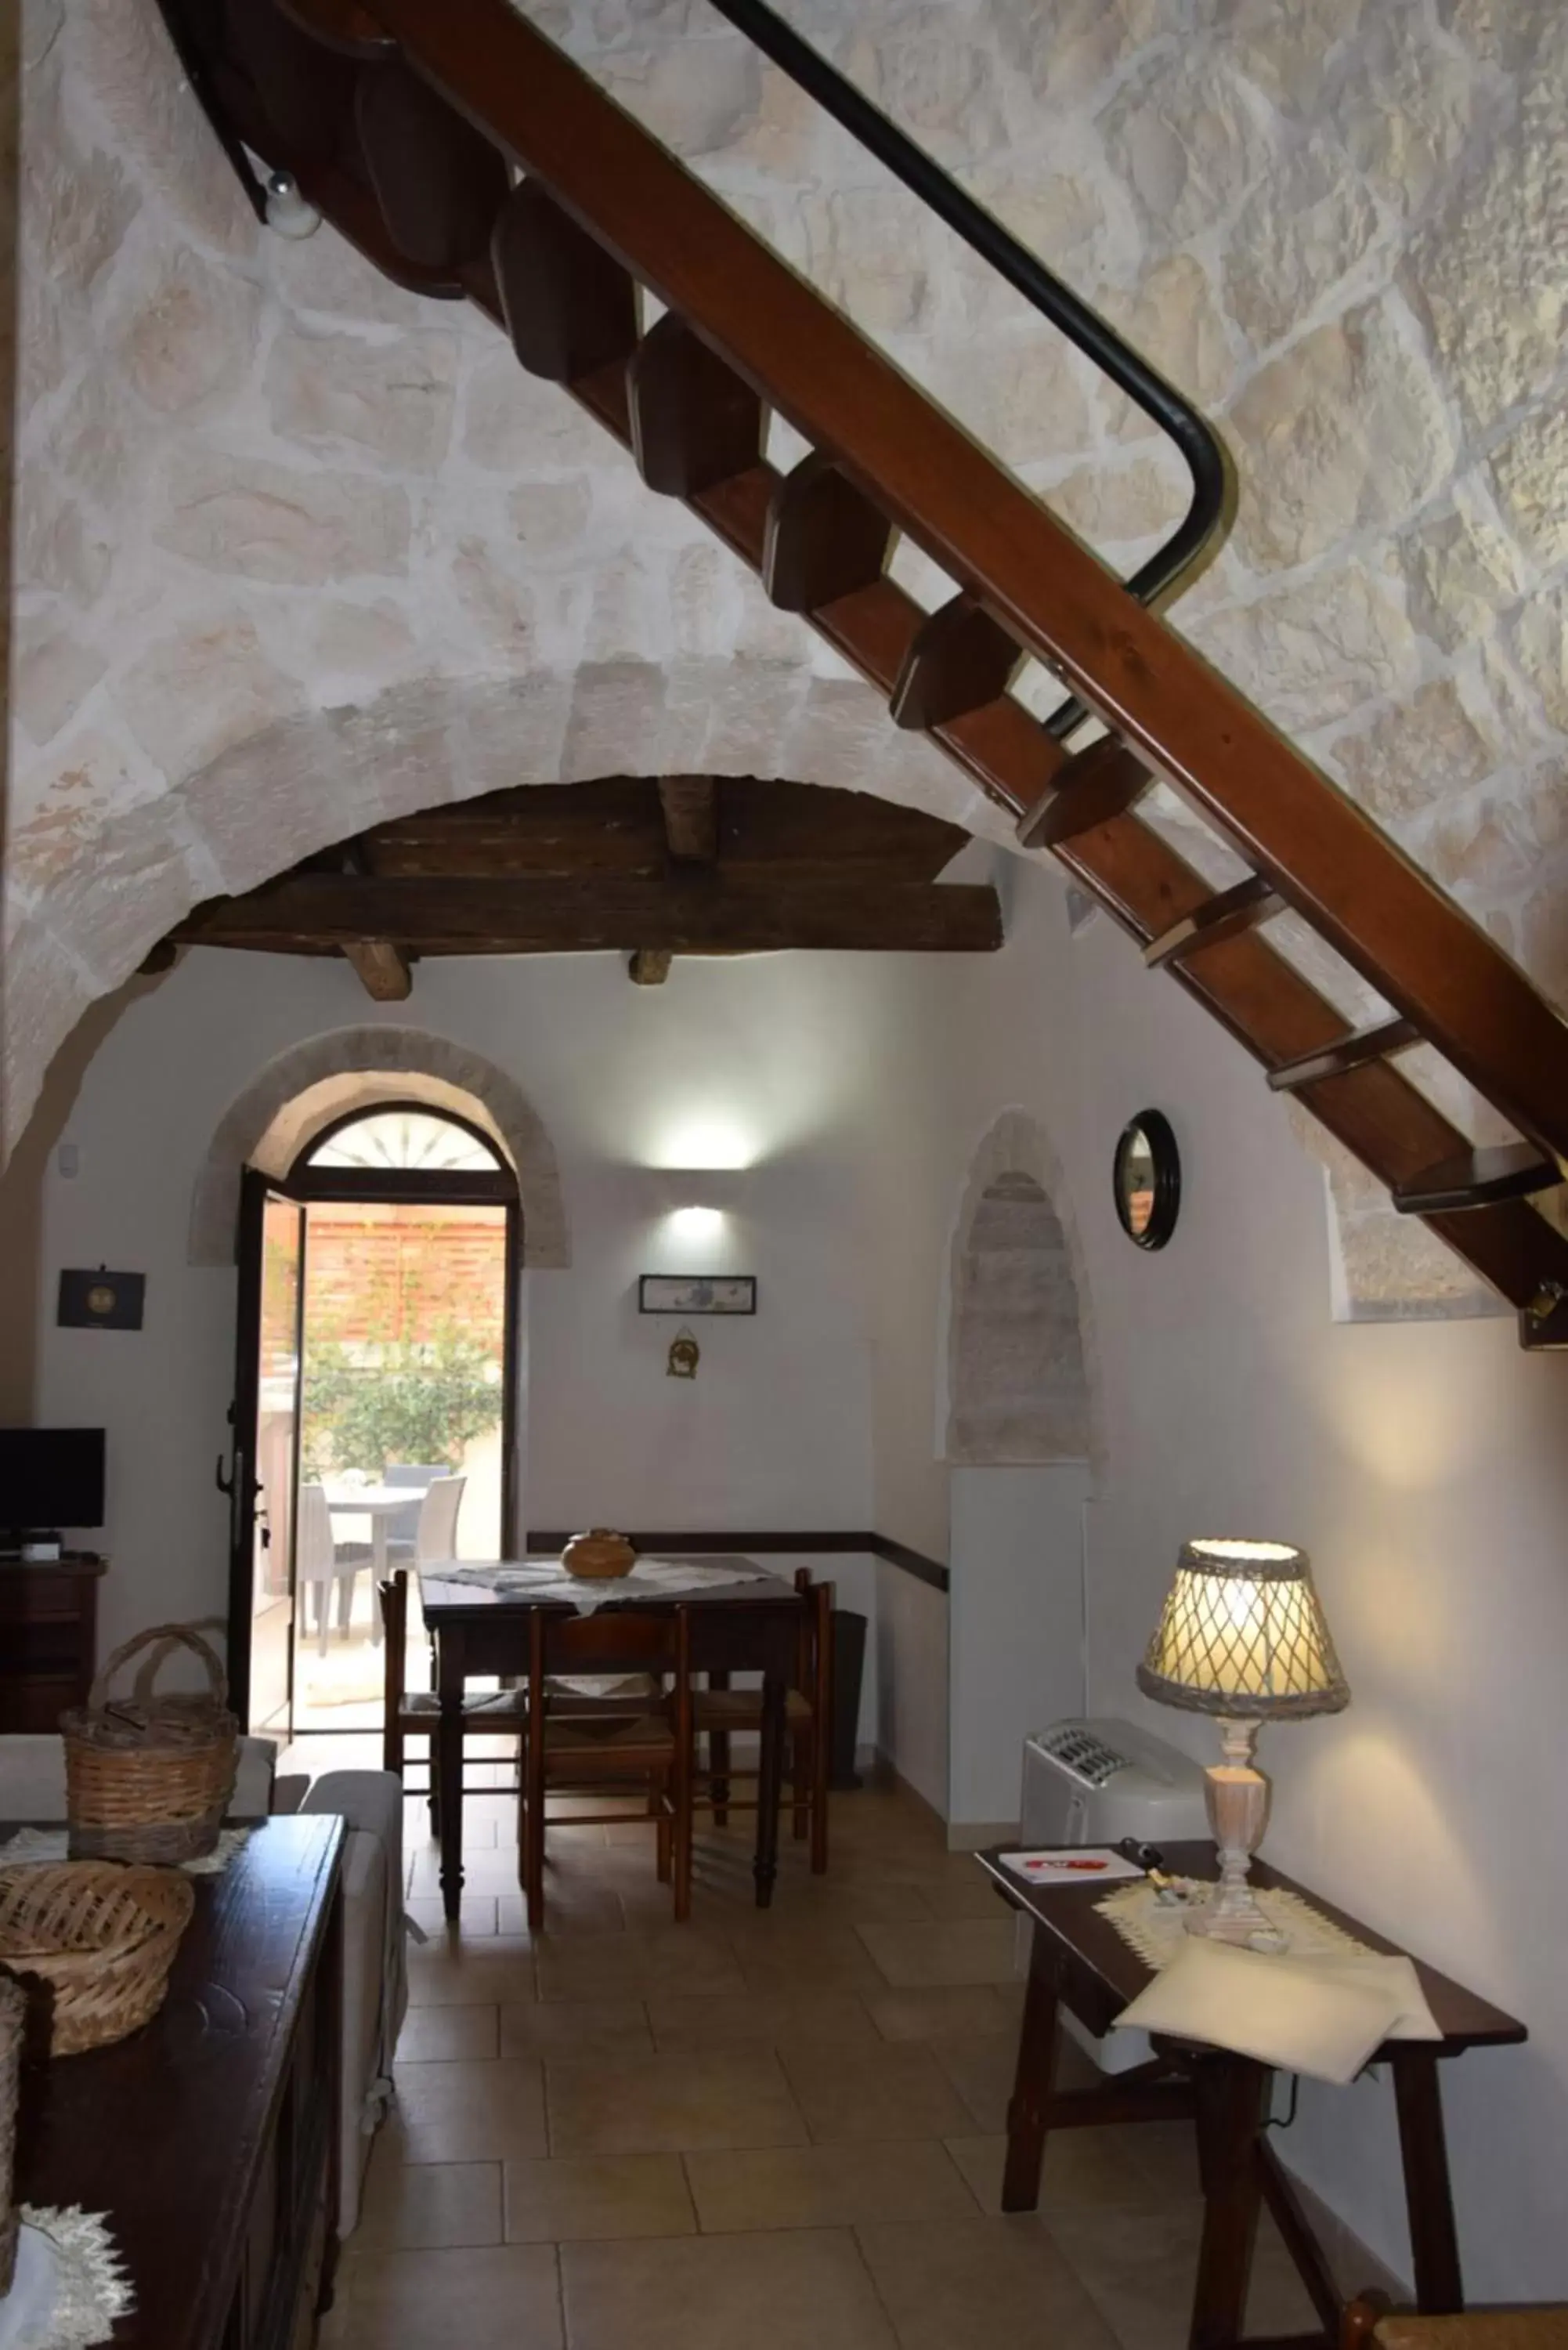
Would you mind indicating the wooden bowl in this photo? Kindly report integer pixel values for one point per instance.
(598, 1555)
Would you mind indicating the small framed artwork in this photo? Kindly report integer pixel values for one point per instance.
(697, 1293)
(101, 1300)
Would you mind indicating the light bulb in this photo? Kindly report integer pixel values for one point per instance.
(286, 211)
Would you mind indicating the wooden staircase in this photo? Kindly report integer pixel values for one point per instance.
(466, 157)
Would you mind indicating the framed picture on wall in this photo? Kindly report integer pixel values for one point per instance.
(697, 1293)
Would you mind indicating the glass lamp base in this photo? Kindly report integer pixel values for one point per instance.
(1234, 1916)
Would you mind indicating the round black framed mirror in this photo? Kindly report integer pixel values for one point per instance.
(1147, 1179)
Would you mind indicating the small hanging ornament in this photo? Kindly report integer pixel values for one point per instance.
(685, 1354)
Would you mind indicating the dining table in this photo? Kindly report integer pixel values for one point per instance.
(743, 1618)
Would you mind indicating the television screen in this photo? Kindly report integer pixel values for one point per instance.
(50, 1477)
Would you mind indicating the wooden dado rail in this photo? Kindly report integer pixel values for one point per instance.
(662, 1545)
(468, 158)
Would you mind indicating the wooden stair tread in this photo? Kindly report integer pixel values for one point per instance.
(694, 422)
(570, 308)
(1351, 1052)
(1219, 918)
(438, 182)
(824, 538)
(1094, 788)
(958, 661)
(1477, 1178)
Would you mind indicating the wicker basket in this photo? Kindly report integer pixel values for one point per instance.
(101, 1938)
(149, 1778)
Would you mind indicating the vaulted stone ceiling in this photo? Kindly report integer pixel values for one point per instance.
(297, 553)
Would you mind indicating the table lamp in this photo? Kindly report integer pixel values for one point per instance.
(1242, 1636)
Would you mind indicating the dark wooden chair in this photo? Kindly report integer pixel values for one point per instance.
(577, 1744)
(719, 1712)
(416, 1712)
(1370, 2324)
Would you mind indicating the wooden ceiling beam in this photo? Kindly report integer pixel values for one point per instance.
(720, 914)
(383, 969)
(690, 810)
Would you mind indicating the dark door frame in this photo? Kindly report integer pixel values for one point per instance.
(391, 1186)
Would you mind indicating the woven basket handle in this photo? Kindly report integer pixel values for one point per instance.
(98, 1696)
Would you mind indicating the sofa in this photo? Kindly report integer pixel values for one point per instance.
(375, 1988)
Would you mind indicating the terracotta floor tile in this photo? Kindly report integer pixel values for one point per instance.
(486, 1868)
(577, 2198)
(670, 2104)
(757, 2018)
(438, 2034)
(781, 1955)
(1095, 2166)
(878, 2091)
(471, 2112)
(572, 1905)
(611, 2028)
(944, 2013)
(476, 1913)
(486, 2298)
(792, 2291)
(981, 2066)
(826, 2185)
(409, 2204)
(459, 1971)
(958, 1951)
(637, 1964)
(980, 2285)
(1139, 2267)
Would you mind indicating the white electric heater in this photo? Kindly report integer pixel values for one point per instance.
(1097, 1783)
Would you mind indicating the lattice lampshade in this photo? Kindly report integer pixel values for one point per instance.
(1242, 1634)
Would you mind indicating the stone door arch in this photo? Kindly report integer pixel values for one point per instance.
(305, 1089)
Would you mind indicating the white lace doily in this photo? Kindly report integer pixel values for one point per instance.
(30, 1844)
(1156, 1929)
(549, 1579)
(68, 2288)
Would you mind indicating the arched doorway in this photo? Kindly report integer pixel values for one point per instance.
(374, 1396)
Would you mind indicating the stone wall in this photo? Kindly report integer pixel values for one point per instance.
(297, 551)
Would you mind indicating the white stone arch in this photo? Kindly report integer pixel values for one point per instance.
(1023, 1382)
(295, 786)
(301, 1091)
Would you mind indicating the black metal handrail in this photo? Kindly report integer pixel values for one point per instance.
(1176, 417)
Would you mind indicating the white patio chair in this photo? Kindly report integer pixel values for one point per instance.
(320, 1564)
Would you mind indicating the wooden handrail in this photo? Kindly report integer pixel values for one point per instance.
(1356, 886)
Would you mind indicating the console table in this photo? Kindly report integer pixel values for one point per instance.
(48, 1638)
(208, 2139)
(1077, 1960)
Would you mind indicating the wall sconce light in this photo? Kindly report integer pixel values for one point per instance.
(685, 1354)
(697, 1223)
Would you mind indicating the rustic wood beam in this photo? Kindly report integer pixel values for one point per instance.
(382, 967)
(715, 914)
(690, 806)
(650, 966)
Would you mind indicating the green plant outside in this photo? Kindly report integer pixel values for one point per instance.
(404, 1399)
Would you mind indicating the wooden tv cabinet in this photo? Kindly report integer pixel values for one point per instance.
(48, 1638)
(209, 2138)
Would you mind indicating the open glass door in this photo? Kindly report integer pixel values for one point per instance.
(264, 1472)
